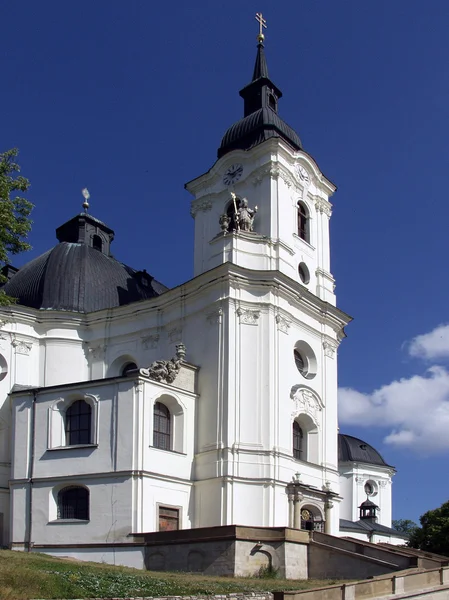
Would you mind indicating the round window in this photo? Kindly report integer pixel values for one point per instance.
(304, 274)
(305, 360)
(3, 367)
(370, 488)
(300, 362)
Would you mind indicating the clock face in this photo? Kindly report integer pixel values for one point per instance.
(233, 174)
(302, 173)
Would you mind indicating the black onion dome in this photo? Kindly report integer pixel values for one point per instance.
(79, 274)
(261, 120)
(255, 129)
(351, 449)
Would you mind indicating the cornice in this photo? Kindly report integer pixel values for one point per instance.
(291, 290)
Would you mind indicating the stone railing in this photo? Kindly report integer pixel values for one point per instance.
(417, 583)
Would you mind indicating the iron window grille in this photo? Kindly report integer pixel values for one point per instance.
(78, 423)
(161, 427)
(73, 503)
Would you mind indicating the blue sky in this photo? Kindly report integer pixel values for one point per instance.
(131, 99)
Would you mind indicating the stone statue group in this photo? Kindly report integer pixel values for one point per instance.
(243, 216)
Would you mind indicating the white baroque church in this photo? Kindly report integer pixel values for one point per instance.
(129, 408)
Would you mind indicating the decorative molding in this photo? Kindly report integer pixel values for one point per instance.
(305, 401)
(203, 205)
(97, 351)
(4, 322)
(21, 347)
(282, 323)
(329, 348)
(274, 170)
(323, 206)
(150, 341)
(268, 169)
(248, 317)
(175, 333)
(138, 386)
(383, 482)
(214, 316)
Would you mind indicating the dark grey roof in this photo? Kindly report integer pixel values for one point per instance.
(254, 129)
(352, 449)
(260, 120)
(77, 277)
(366, 525)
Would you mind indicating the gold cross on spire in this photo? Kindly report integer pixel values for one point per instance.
(262, 23)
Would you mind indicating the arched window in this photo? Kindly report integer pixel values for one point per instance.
(161, 427)
(78, 424)
(303, 222)
(298, 442)
(131, 366)
(97, 243)
(73, 503)
(272, 102)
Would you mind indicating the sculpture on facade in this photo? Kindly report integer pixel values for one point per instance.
(245, 216)
(166, 371)
(224, 223)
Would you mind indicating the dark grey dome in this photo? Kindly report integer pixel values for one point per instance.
(79, 278)
(254, 129)
(351, 449)
(79, 274)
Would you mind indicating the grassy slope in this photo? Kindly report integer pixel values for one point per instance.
(25, 576)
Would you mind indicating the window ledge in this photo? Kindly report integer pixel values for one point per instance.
(169, 451)
(68, 522)
(300, 239)
(74, 447)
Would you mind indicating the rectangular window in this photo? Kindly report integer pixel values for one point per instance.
(168, 518)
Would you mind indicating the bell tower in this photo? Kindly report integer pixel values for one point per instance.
(261, 159)
(270, 416)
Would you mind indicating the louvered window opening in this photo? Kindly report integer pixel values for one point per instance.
(78, 423)
(73, 503)
(298, 438)
(303, 225)
(162, 427)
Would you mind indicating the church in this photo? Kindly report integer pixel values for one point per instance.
(131, 413)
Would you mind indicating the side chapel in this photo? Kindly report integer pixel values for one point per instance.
(118, 420)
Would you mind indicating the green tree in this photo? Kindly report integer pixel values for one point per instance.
(404, 525)
(15, 210)
(433, 535)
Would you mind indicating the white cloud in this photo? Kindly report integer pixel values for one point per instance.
(433, 345)
(415, 410)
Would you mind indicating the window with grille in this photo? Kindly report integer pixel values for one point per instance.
(161, 427)
(303, 222)
(168, 518)
(73, 503)
(298, 441)
(300, 362)
(78, 421)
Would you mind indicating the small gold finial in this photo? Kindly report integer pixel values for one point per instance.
(262, 23)
(86, 196)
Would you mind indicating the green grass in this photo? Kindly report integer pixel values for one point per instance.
(26, 576)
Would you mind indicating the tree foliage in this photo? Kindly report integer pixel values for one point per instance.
(404, 525)
(433, 535)
(15, 210)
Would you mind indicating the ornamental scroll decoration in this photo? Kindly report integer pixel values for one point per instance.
(248, 317)
(166, 371)
(306, 401)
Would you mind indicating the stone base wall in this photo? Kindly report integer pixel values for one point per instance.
(229, 551)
